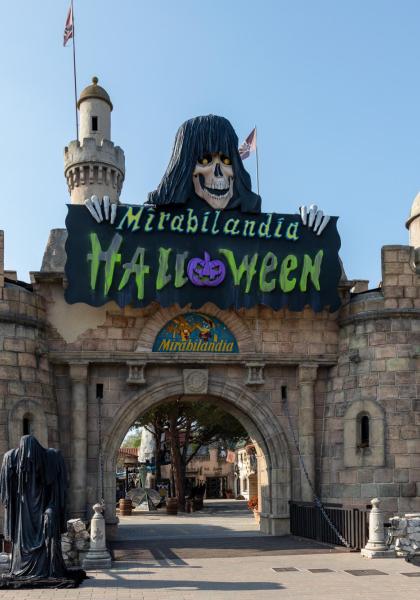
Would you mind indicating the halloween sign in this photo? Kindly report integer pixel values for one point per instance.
(195, 332)
(201, 237)
(193, 256)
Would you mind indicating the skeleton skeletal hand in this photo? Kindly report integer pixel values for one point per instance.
(101, 209)
(314, 218)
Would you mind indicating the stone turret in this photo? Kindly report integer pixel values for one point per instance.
(413, 223)
(92, 164)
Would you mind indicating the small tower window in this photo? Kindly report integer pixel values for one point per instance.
(94, 123)
(364, 426)
(26, 425)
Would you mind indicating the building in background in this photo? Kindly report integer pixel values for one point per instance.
(246, 471)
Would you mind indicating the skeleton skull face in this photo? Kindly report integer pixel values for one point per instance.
(213, 179)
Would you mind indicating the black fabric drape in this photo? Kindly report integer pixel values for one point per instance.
(33, 486)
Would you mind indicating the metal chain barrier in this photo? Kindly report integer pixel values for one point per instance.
(318, 501)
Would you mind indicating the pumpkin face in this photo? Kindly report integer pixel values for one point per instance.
(206, 272)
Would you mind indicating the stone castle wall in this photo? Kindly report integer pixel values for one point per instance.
(377, 374)
(26, 386)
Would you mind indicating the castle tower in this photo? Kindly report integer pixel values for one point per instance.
(92, 164)
(413, 223)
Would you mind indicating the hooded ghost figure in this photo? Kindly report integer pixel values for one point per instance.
(33, 484)
(205, 163)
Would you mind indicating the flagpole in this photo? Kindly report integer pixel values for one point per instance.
(256, 156)
(74, 73)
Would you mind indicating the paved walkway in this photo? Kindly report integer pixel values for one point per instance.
(245, 579)
(296, 571)
(220, 518)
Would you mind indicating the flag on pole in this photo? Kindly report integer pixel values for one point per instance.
(68, 29)
(249, 145)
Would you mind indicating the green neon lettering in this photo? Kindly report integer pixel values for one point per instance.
(247, 267)
(249, 225)
(180, 278)
(163, 276)
(131, 219)
(268, 265)
(137, 268)
(292, 231)
(192, 221)
(288, 265)
(176, 223)
(311, 269)
(162, 218)
(110, 257)
(231, 227)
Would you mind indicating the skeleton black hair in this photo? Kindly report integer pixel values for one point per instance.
(196, 137)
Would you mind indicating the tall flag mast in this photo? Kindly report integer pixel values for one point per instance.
(69, 34)
(248, 146)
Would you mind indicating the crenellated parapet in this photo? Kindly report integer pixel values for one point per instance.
(92, 168)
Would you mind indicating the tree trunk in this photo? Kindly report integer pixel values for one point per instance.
(157, 426)
(176, 459)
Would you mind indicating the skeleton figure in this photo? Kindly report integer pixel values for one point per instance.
(213, 179)
(205, 163)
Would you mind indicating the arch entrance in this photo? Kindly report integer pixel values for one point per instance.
(274, 472)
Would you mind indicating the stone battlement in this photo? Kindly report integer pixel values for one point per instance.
(92, 168)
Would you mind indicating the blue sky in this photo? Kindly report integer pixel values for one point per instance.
(333, 87)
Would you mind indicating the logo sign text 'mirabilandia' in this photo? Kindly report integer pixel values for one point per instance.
(193, 256)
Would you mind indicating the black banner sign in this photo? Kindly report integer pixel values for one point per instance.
(193, 256)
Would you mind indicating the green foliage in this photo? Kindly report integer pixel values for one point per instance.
(132, 439)
(205, 422)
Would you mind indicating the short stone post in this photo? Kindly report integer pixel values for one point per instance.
(98, 556)
(376, 546)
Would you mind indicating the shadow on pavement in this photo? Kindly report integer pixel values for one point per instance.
(186, 585)
(213, 547)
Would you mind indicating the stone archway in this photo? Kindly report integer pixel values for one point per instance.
(262, 425)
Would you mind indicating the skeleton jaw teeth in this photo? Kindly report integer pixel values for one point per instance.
(219, 184)
(217, 192)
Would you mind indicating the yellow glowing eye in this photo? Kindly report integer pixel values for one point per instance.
(225, 159)
(205, 159)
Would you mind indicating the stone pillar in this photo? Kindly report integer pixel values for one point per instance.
(98, 556)
(78, 478)
(376, 546)
(306, 378)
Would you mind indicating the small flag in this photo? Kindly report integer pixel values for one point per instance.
(68, 29)
(249, 145)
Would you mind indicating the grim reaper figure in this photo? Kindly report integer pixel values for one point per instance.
(206, 165)
(206, 169)
(33, 484)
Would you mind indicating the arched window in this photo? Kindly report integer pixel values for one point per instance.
(27, 425)
(364, 434)
(364, 431)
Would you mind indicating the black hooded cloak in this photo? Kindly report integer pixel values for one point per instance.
(196, 137)
(33, 485)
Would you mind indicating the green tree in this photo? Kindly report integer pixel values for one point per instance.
(132, 439)
(190, 425)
